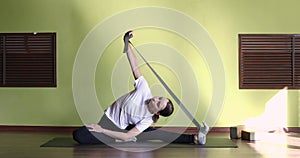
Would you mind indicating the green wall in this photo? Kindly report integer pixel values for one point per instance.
(74, 19)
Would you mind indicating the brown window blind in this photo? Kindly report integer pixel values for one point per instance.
(28, 60)
(269, 61)
(296, 56)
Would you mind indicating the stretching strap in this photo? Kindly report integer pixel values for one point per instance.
(189, 115)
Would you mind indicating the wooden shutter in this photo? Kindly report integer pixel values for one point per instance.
(28, 60)
(1, 57)
(296, 50)
(266, 61)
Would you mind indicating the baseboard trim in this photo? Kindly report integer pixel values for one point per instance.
(293, 129)
(7, 128)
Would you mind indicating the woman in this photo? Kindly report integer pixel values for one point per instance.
(129, 118)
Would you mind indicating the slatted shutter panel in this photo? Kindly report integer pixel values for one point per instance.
(266, 61)
(29, 60)
(1, 57)
(297, 61)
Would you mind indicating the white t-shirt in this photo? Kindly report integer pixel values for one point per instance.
(131, 107)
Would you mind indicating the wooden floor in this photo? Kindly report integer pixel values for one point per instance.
(26, 145)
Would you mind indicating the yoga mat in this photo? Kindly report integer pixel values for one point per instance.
(210, 143)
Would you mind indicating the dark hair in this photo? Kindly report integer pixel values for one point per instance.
(167, 111)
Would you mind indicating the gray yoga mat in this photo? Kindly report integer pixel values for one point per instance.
(211, 143)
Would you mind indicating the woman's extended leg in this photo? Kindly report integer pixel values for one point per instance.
(165, 136)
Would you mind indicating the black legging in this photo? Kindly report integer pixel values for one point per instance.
(83, 136)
